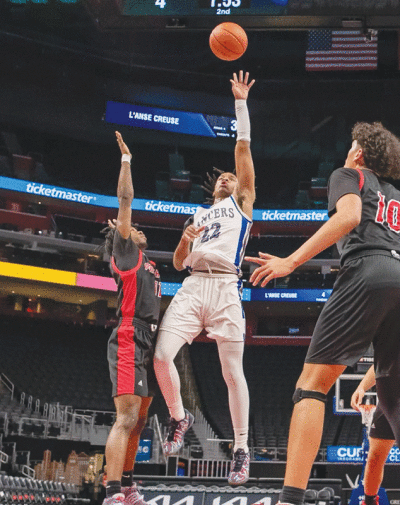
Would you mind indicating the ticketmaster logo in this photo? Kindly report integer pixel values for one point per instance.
(291, 215)
(54, 192)
(169, 207)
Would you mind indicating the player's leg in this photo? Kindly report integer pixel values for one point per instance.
(377, 455)
(231, 358)
(168, 345)
(388, 390)
(181, 324)
(128, 408)
(381, 440)
(132, 496)
(306, 427)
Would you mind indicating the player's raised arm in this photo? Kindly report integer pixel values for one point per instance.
(125, 190)
(243, 159)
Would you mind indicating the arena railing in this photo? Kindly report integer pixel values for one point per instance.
(8, 384)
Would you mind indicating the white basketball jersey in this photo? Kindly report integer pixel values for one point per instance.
(222, 244)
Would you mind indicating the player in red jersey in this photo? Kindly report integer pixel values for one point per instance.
(364, 210)
(132, 342)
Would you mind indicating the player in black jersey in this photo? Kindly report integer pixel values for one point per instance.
(131, 345)
(365, 303)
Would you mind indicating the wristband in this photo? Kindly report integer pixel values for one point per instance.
(242, 120)
(126, 157)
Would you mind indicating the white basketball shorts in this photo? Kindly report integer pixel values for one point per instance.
(207, 301)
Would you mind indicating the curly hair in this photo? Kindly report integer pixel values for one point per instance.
(381, 149)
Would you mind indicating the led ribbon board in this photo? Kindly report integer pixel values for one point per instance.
(111, 202)
(175, 121)
(53, 276)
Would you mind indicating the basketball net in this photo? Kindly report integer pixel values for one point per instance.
(367, 414)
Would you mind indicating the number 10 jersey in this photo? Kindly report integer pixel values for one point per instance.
(222, 243)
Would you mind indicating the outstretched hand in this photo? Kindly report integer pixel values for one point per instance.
(270, 268)
(240, 87)
(123, 147)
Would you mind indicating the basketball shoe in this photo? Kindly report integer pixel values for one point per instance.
(132, 496)
(239, 473)
(115, 499)
(176, 431)
(376, 500)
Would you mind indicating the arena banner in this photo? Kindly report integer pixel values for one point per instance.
(241, 499)
(290, 295)
(354, 454)
(33, 273)
(144, 450)
(149, 205)
(167, 497)
(175, 121)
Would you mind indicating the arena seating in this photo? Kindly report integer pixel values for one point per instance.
(271, 373)
(23, 490)
(62, 363)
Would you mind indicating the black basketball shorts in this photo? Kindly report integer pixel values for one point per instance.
(380, 427)
(364, 307)
(130, 358)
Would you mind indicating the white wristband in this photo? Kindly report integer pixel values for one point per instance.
(126, 157)
(242, 120)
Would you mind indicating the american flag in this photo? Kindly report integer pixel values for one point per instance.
(341, 50)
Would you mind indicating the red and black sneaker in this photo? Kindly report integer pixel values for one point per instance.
(176, 431)
(132, 496)
(116, 499)
(376, 500)
(240, 465)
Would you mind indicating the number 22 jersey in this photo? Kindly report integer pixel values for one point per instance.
(379, 227)
(222, 244)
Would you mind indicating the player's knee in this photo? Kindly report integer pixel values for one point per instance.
(302, 394)
(126, 422)
(160, 357)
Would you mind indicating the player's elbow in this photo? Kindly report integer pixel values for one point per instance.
(125, 197)
(178, 265)
(350, 221)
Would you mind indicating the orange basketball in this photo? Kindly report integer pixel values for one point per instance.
(228, 41)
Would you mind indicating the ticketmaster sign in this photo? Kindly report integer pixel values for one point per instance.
(71, 195)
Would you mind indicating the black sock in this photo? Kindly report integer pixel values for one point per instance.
(293, 495)
(370, 499)
(113, 487)
(127, 479)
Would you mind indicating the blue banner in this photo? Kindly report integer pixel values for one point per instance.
(274, 295)
(160, 206)
(354, 454)
(144, 451)
(290, 215)
(290, 295)
(174, 121)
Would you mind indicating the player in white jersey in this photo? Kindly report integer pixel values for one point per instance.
(212, 249)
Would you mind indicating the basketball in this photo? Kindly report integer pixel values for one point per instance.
(228, 41)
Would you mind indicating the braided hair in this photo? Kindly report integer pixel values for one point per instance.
(107, 245)
(209, 184)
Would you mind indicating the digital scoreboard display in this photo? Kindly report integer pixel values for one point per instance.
(250, 14)
(176, 121)
(202, 7)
